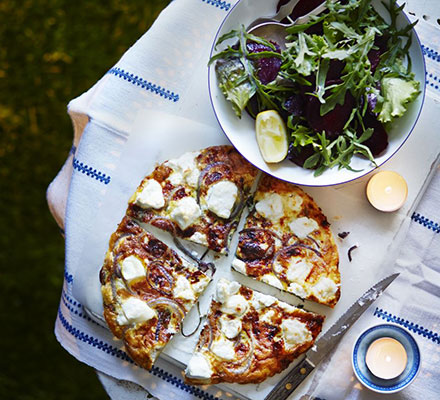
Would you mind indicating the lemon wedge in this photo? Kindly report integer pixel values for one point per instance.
(271, 136)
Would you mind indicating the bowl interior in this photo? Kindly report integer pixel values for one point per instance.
(241, 132)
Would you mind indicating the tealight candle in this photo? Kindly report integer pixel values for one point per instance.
(387, 191)
(386, 358)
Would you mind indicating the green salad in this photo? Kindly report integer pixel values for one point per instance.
(342, 79)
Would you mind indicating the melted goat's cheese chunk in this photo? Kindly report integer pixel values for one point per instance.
(239, 265)
(136, 310)
(272, 280)
(225, 289)
(221, 198)
(303, 226)
(298, 271)
(325, 289)
(132, 268)
(183, 289)
(184, 170)
(223, 348)
(295, 332)
(151, 195)
(270, 207)
(186, 212)
(235, 305)
(230, 327)
(199, 367)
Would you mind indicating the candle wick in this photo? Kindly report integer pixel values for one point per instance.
(388, 189)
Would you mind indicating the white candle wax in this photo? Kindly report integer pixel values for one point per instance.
(387, 191)
(386, 358)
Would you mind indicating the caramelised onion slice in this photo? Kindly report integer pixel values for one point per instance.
(206, 336)
(252, 241)
(163, 224)
(314, 242)
(258, 229)
(173, 306)
(203, 266)
(157, 282)
(286, 249)
(238, 205)
(205, 171)
(120, 239)
(243, 364)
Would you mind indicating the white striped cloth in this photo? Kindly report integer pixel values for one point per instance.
(161, 72)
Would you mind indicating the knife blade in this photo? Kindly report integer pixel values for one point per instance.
(328, 341)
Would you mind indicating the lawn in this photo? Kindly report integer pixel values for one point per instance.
(50, 52)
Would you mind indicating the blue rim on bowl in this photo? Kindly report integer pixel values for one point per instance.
(244, 12)
(385, 385)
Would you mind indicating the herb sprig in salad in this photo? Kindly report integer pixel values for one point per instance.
(342, 79)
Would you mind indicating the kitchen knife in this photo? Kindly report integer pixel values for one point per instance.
(324, 346)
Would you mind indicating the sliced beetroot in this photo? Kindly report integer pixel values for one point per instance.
(374, 58)
(333, 122)
(381, 42)
(299, 155)
(378, 141)
(267, 68)
(281, 3)
(315, 29)
(334, 72)
(304, 6)
(294, 105)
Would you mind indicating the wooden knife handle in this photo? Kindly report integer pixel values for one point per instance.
(291, 381)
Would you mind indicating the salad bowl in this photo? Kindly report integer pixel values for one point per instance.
(242, 131)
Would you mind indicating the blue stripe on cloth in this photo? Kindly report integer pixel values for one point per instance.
(433, 84)
(430, 53)
(144, 84)
(223, 5)
(115, 352)
(68, 277)
(427, 223)
(90, 171)
(420, 330)
(99, 344)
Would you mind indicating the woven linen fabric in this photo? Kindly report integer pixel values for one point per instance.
(161, 72)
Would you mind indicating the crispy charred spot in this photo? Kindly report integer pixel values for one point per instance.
(271, 331)
(179, 194)
(188, 232)
(212, 178)
(258, 268)
(325, 223)
(216, 237)
(290, 252)
(163, 224)
(161, 173)
(168, 187)
(277, 348)
(159, 277)
(156, 248)
(255, 245)
(241, 349)
(246, 292)
(102, 276)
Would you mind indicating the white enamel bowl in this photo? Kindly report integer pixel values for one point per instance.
(241, 132)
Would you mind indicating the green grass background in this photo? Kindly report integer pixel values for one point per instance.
(50, 52)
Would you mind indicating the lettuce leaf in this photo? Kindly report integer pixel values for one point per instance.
(234, 84)
(397, 93)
